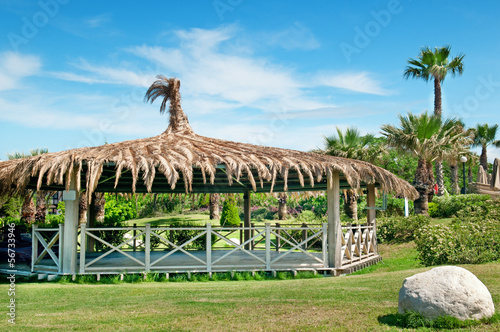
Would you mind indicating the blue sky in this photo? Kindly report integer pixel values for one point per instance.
(276, 73)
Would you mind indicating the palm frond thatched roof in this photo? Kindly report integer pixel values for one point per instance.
(179, 161)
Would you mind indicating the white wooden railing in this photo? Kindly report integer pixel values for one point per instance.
(358, 243)
(48, 238)
(281, 247)
(207, 259)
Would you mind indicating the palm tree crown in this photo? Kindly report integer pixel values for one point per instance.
(434, 64)
(427, 136)
(350, 144)
(168, 88)
(429, 139)
(484, 135)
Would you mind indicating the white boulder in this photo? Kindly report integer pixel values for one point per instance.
(446, 291)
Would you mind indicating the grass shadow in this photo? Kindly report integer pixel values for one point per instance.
(413, 320)
(394, 320)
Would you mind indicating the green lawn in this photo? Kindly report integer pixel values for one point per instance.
(351, 303)
(198, 218)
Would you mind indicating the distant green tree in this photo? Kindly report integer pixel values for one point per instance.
(484, 136)
(230, 215)
(351, 144)
(429, 139)
(435, 64)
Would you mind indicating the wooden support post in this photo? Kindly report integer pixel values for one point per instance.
(83, 245)
(334, 227)
(278, 240)
(371, 213)
(370, 203)
(241, 232)
(246, 219)
(135, 240)
(268, 245)
(324, 243)
(304, 235)
(252, 234)
(209, 248)
(61, 247)
(147, 248)
(34, 247)
(171, 236)
(91, 218)
(71, 230)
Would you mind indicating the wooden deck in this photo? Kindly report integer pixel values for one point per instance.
(237, 261)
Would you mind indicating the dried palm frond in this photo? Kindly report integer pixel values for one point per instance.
(179, 156)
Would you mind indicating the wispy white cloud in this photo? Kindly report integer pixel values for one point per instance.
(358, 82)
(298, 36)
(107, 75)
(14, 67)
(97, 21)
(220, 75)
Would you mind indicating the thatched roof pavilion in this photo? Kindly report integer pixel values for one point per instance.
(180, 161)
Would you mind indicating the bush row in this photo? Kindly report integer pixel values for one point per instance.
(449, 206)
(473, 237)
(399, 229)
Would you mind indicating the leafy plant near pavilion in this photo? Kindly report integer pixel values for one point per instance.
(230, 215)
(473, 237)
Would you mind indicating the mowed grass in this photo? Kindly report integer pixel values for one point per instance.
(198, 218)
(350, 303)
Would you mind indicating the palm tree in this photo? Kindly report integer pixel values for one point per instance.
(30, 213)
(434, 64)
(429, 139)
(484, 135)
(168, 89)
(350, 144)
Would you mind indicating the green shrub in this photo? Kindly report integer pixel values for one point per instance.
(53, 220)
(473, 237)
(449, 206)
(398, 229)
(230, 215)
(317, 204)
(179, 237)
(309, 217)
(260, 214)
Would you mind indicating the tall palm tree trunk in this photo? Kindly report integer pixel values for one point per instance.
(422, 185)
(438, 112)
(440, 178)
(437, 97)
(41, 206)
(351, 204)
(214, 206)
(100, 201)
(483, 159)
(282, 206)
(455, 187)
(28, 209)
